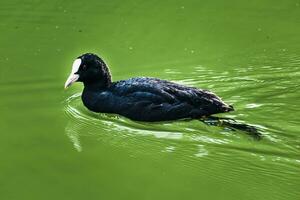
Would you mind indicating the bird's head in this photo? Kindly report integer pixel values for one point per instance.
(91, 70)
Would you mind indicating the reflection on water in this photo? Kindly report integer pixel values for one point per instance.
(72, 132)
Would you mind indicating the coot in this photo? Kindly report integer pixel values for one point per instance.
(142, 98)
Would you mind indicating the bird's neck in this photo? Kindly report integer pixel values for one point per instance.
(97, 86)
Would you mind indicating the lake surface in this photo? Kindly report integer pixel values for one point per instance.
(247, 52)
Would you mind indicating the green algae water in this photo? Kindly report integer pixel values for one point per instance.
(52, 147)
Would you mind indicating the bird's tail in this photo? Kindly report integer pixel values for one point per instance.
(233, 125)
(225, 108)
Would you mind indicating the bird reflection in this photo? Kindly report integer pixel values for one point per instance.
(233, 125)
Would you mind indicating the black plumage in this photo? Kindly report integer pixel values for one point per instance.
(143, 98)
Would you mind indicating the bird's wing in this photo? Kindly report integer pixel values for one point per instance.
(162, 91)
(144, 89)
(152, 99)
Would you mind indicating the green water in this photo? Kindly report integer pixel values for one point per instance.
(51, 147)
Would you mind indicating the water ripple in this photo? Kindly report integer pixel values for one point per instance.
(120, 131)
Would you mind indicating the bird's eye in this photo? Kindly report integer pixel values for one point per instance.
(84, 67)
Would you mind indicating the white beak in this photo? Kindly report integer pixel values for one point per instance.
(73, 77)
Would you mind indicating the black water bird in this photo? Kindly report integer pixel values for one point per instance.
(142, 98)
